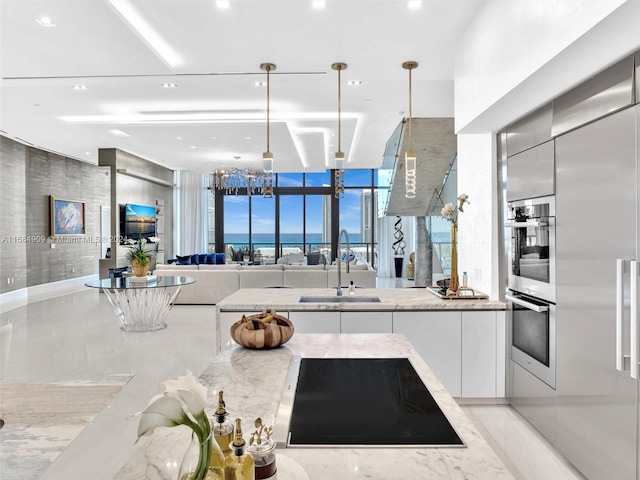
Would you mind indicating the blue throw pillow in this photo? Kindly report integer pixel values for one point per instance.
(195, 259)
(186, 260)
(211, 259)
(202, 258)
(220, 259)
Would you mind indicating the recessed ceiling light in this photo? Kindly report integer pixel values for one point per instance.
(79, 87)
(414, 4)
(45, 22)
(259, 84)
(367, 100)
(119, 133)
(169, 85)
(223, 4)
(192, 146)
(213, 138)
(319, 4)
(178, 138)
(88, 153)
(353, 82)
(247, 138)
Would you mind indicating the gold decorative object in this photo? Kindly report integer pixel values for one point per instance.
(454, 283)
(262, 330)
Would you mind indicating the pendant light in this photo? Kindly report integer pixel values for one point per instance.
(410, 155)
(267, 157)
(339, 165)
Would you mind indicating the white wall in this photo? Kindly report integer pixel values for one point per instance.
(517, 55)
(478, 225)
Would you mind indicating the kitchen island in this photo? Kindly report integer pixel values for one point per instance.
(463, 341)
(253, 380)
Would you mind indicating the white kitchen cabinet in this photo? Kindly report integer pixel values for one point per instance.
(479, 358)
(437, 337)
(315, 322)
(366, 322)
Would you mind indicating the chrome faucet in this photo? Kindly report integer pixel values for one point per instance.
(339, 287)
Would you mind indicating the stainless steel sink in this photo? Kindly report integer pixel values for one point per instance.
(336, 299)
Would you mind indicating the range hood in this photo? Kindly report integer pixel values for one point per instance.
(435, 144)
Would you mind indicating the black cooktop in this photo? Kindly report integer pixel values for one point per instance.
(365, 401)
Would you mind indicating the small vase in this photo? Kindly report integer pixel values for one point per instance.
(140, 268)
(454, 283)
(202, 460)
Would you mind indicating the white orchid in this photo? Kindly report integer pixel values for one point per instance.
(182, 403)
(450, 212)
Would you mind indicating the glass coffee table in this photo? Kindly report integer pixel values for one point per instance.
(142, 304)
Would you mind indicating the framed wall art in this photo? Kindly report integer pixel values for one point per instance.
(67, 217)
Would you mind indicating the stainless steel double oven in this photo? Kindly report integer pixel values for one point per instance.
(532, 286)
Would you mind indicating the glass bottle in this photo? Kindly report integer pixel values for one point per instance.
(352, 289)
(222, 428)
(464, 279)
(239, 465)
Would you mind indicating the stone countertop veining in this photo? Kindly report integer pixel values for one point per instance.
(253, 380)
(287, 299)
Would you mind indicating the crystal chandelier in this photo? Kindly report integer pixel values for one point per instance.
(231, 180)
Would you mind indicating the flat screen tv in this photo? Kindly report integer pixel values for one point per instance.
(139, 221)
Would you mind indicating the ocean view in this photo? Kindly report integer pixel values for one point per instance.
(268, 239)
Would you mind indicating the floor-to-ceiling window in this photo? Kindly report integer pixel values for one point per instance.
(298, 218)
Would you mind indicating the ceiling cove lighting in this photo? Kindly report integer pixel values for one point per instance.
(267, 157)
(319, 4)
(339, 168)
(148, 34)
(119, 133)
(45, 22)
(410, 155)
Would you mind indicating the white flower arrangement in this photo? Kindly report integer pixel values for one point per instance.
(450, 212)
(182, 403)
(154, 239)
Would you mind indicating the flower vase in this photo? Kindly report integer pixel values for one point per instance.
(202, 460)
(140, 268)
(454, 284)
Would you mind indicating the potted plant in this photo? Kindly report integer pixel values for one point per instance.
(139, 258)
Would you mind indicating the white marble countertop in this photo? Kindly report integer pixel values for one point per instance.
(287, 299)
(252, 381)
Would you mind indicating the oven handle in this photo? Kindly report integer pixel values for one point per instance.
(622, 361)
(529, 223)
(635, 341)
(524, 303)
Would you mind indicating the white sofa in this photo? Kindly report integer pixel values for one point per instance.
(215, 282)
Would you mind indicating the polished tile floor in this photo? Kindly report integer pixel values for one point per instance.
(77, 335)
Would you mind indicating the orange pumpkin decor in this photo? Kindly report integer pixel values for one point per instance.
(262, 330)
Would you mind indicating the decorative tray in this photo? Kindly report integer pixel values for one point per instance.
(463, 294)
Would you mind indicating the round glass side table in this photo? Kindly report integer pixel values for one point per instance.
(142, 303)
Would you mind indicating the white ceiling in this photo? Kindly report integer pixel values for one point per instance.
(214, 57)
